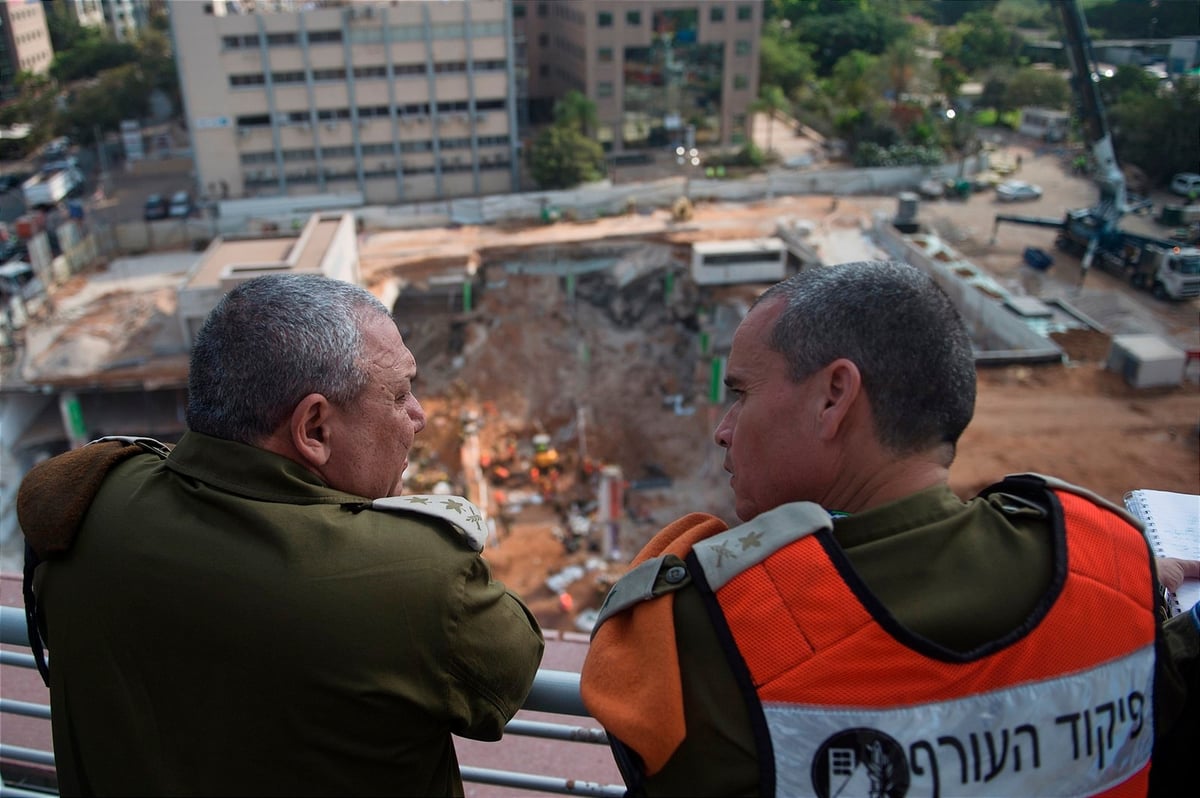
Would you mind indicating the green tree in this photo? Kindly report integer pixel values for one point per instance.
(89, 57)
(854, 79)
(576, 111)
(834, 35)
(563, 155)
(996, 93)
(1157, 132)
(900, 64)
(980, 41)
(1039, 88)
(950, 77)
(785, 61)
(117, 94)
(157, 63)
(1128, 79)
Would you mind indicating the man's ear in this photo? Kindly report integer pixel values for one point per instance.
(309, 429)
(841, 386)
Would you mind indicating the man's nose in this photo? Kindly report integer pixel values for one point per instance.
(723, 433)
(417, 414)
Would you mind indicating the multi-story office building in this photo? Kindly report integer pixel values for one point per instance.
(88, 13)
(395, 102)
(660, 71)
(24, 42)
(123, 19)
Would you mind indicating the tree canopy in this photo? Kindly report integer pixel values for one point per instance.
(563, 155)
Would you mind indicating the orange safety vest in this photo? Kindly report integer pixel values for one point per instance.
(847, 702)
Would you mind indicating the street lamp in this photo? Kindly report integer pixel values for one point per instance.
(685, 157)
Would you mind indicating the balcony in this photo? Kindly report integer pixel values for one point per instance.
(542, 741)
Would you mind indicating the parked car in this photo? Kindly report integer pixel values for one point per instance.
(1015, 190)
(156, 207)
(932, 188)
(181, 205)
(1186, 184)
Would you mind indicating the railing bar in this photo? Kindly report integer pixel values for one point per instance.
(556, 731)
(529, 781)
(13, 628)
(17, 658)
(26, 708)
(26, 754)
(7, 790)
(556, 692)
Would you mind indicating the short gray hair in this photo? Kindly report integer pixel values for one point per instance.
(270, 342)
(902, 331)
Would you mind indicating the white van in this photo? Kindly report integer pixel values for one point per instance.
(1186, 184)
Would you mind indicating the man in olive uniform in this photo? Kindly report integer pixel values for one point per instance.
(257, 611)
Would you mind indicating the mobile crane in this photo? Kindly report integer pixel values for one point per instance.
(1168, 270)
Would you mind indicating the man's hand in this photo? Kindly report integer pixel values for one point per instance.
(1172, 572)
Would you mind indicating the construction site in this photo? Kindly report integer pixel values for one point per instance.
(570, 370)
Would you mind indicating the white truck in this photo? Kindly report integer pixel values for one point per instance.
(50, 187)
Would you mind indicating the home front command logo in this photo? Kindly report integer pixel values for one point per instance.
(860, 763)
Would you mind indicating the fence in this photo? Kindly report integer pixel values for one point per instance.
(554, 691)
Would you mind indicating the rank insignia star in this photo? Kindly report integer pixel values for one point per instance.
(751, 540)
(453, 504)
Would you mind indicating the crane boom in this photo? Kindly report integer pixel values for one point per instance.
(1113, 202)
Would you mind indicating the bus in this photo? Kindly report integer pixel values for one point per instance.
(751, 260)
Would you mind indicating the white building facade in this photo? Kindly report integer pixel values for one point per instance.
(390, 102)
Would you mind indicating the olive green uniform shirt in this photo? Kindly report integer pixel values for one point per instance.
(227, 624)
(960, 574)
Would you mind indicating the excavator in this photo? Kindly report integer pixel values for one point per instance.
(1168, 270)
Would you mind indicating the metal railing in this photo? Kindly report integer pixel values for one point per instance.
(555, 692)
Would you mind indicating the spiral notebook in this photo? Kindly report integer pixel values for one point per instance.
(1173, 526)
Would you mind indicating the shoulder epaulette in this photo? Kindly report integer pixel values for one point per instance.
(465, 517)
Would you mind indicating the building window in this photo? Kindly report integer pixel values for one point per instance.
(544, 71)
(604, 88)
(716, 14)
(740, 81)
(542, 9)
(745, 13)
(633, 18)
(741, 47)
(604, 55)
(543, 40)
(604, 19)
(518, 11)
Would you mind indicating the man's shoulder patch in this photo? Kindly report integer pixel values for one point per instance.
(465, 517)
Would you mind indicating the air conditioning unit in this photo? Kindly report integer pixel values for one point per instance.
(242, 131)
(303, 125)
(480, 117)
(331, 125)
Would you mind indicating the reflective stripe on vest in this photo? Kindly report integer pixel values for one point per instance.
(1076, 735)
(855, 705)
